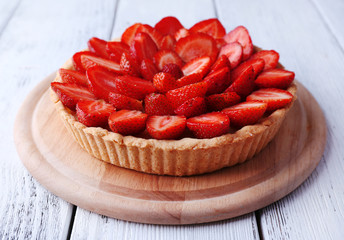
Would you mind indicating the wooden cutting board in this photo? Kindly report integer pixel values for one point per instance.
(52, 156)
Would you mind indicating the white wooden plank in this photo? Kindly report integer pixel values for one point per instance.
(295, 30)
(36, 41)
(7, 9)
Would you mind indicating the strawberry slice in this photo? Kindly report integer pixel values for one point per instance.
(94, 113)
(189, 79)
(128, 122)
(167, 42)
(143, 47)
(71, 76)
(275, 78)
(233, 51)
(180, 95)
(173, 69)
(129, 34)
(217, 102)
(116, 49)
(77, 60)
(133, 87)
(152, 32)
(89, 61)
(158, 104)
(70, 94)
(240, 34)
(163, 57)
(275, 98)
(220, 42)
(199, 65)
(129, 66)
(209, 125)
(192, 107)
(120, 102)
(244, 83)
(270, 58)
(181, 33)
(98, 46)
(196, 45)
(148, 69)
(221, 62)
(245, 113)
(257, 64)
(168, 25)
(217, 80)
(212, 27)
(166, 127)
(164, 82)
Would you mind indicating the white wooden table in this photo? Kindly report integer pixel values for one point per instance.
(37, 36)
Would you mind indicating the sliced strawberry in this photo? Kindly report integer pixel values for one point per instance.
(98, 46)
(148, 69)
(270, 58)
(77, 60)
(181, 33)
(217, 80)
(212, 27)
(152, 32)
(196, 45)
(244, 83)
(128, 122)
(192, 107)
(133, 87)
(158, 104)
(116, 49)
(240, 34)
(94, 113)
(217, 102)
(166, 127)
(129, 34)
(164, 82)
(257, 64)
(129, 66)
(189, 79)
(168, 25)
(70, 94)
(245, 113)
(167, 42)
(88, 61)
(199, 65)
(275, 98)
(233, 51)
(143, 47)
(71, 76)
(220, 42)
(275, 78)
(180, 95)
(120, 102)
(173, 69)
(164, 57)
(209, 125)
(221, 62)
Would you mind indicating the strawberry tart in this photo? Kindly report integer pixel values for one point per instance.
(174, 101)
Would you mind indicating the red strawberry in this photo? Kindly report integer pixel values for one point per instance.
(196, 45)
(233, 51)
(98, 46)
(168, 25)
(209, 125)
(164, 57)
(244, 83)
(164, 82)
(152, 32)
(77, 60)
(181, 33)
(245, 113)
(157, 104)
(173, 69)
(180, 95)
(166, 127)
(257, 64)
(217, 80)
(221, 62)
(128, 122)
(120, 102)
(133, 87)
(167, 42)
(116, 49)
(240, 34)
(270, 58)
(143, 47)
(70, 93)
(199, 65)
(275, 78)
(94, 113)
(220, 42)
(71, 76)
(148, 69)
(129, 66)
(192, 107)
(275, 98)
(212, 27)
(217, 102)
(129, 34)
(88, 61)
(189, 79)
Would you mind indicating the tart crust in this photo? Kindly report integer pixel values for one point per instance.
(184, 157)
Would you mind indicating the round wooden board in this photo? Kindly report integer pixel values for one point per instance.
(53, 157)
